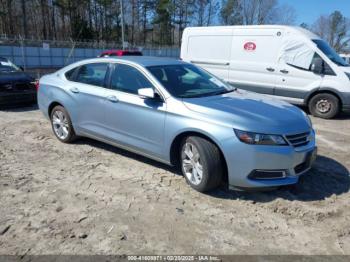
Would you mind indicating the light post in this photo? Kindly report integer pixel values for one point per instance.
(122, 20)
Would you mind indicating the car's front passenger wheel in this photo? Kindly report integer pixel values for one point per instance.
(62, 125)
(201, 163)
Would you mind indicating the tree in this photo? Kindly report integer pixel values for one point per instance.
(163, 20)
(231, 12)
(256, 12)
(334, 29)
(206, 9)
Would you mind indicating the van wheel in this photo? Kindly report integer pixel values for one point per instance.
(324, 105)
(62, 125)
(201, 163)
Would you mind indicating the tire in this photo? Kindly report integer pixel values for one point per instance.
(60, 120)
(209, 159)
(324, 105)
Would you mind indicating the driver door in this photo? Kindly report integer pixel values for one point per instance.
(131, 120)
(295, 77)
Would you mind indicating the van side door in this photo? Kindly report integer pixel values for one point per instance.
(211, 51)
(253, 64)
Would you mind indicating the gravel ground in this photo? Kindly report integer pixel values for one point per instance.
(91, 198)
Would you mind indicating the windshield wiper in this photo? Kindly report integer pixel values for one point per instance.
(221, 92)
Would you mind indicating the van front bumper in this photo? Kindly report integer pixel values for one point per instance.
(345, 97)
(281, 165)
(346, 108)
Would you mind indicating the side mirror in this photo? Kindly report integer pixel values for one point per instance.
(21, 67)
(317, 66)
(146, 92)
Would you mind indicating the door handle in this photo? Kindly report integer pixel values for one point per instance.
(284, 71)
(74, 90)
(113, 99)
(270, 69)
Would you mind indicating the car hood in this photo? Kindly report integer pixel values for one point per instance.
(251, 112)
(15, 77)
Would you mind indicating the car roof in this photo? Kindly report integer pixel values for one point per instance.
(151, 61)
(144, 61)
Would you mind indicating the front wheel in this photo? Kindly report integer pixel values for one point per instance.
(324, 105)
(201, 163)
(62, 125)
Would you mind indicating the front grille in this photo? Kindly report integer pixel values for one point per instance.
(299, 140)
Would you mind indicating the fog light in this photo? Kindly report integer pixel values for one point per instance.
(267, 174)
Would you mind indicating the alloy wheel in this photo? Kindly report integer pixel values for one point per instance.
(191, 163)
(60, 124)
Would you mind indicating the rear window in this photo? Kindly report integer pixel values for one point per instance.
(70, 74)
(92, 74)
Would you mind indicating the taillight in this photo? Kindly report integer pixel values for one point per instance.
(37, 85)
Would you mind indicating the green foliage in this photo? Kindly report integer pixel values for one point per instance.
(231, 12)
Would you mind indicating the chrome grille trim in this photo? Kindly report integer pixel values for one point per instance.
(298, 140)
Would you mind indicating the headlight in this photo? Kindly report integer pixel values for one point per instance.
(260, 139)
(348, 75)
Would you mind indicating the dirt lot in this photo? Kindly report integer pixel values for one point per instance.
(91, 198)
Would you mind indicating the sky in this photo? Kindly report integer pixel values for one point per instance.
(308, 11)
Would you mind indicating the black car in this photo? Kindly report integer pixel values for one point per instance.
(16, 86)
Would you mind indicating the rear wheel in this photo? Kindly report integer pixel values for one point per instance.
(201, 163)
(62, 125)
(324, 105)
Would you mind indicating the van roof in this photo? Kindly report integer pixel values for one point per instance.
(292, 29)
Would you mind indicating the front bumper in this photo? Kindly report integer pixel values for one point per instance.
(243, 159)
(345, 97)
(16, 98)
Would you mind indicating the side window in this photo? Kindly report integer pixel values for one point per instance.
(128, 79)
(70, 74)
(297, 54)
(92, 74)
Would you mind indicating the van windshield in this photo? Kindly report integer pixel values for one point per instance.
(330, 53)
(187, 81)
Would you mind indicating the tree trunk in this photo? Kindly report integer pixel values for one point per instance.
(24, 19)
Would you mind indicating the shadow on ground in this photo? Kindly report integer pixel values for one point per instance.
(326, 178)
(125, 153)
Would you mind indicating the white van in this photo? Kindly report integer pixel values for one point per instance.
(283, 61)
(346, 57)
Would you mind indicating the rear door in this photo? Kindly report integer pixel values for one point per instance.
(253, 63)
(210, 50)
(89, 90)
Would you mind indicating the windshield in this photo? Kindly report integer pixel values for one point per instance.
(7, 66)
(187, 81)
(330, 53)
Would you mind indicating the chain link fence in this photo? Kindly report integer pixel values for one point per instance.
(50, 54)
